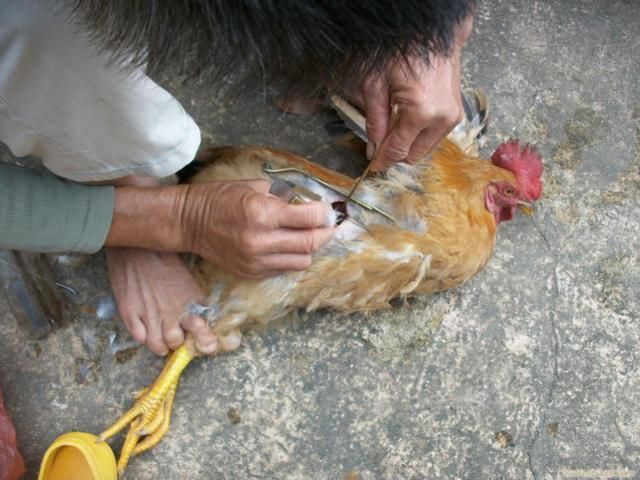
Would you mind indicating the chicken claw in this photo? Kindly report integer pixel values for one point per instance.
(150, 416)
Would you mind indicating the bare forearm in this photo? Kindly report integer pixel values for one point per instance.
(235, 225)
(148, 217)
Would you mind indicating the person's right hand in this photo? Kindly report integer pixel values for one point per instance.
(246, 231)
(423, 92)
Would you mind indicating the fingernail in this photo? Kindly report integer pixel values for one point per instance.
(206, 349)
(371, 150)
(231, 341)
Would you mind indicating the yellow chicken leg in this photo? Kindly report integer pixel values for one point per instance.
(150, 416)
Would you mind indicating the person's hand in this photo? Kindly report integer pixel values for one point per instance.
(246, 231)
(427, 103)
(428, 106)
(152, 291)
(237, 225)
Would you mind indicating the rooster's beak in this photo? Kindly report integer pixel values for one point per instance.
(525, 207)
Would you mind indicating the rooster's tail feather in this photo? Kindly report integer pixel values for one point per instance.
(469, 134)
(204, 158)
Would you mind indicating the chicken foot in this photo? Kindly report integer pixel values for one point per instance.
(150, 416)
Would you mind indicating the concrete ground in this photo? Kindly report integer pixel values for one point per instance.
(530, 371)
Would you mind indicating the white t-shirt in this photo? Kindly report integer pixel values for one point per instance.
(61, 101)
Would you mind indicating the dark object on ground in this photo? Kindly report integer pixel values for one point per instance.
(34, 298)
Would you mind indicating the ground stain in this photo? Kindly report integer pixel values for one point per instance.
(301, 363)
(612, 197)
(619, 284)
(504, 439)
(628, 184)
(396, 338)
(569, 213)
(85, 371)
(551, 186)
(233, 414)
(585, 128)
(537, 128)
(124, 356)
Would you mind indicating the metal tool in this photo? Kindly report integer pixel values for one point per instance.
(292, 193)
(351, 116)
(357, 123)
(274, 171)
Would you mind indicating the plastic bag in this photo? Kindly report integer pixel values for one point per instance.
(11, 463)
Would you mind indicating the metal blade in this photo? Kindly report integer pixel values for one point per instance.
(351, 116)
(356, 122)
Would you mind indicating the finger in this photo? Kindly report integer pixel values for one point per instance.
(155, 342)
(256, 273)
(231, 341)
(442, 136)
(439, 128)
(377, 109)
(206, 341)
(172, 334)
(286, 262)
(248, 267)
(287, 241)
(260, 186)
(423, 145)
(304, 216)
(273, 265)
(136, 328)
(396, 146)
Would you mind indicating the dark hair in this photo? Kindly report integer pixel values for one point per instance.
(296, 46)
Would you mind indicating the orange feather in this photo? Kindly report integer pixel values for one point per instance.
(365, 272)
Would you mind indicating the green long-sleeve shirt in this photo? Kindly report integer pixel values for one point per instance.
(44, 213)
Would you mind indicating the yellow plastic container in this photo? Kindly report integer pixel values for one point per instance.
(77, 456)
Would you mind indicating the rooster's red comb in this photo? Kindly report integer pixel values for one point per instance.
(525, 163)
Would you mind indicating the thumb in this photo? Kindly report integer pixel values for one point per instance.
(259, 185)
(395, 147)
(306, 215)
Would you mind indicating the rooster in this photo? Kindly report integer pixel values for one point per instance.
(415, 231)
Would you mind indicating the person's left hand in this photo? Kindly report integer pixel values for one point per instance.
(428, 103)
(152, 291)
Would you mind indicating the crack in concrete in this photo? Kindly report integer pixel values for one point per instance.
(555, 348)
(628, 445)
